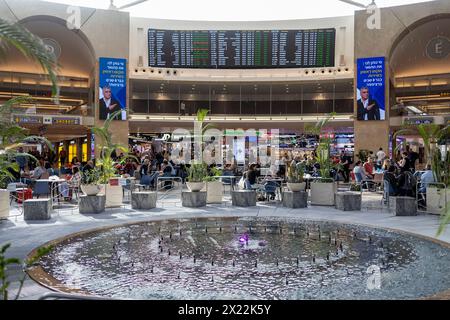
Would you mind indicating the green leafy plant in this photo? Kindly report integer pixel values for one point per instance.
(295, 172)
(107, 148)
(323, 149)
(91, 176)
(363, 154)
(12, 136)
(355, 187)
(28, 263)
(197, 172)
(214, 172)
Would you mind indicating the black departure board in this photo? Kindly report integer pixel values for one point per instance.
(215, 49)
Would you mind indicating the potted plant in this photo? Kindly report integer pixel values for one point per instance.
(90, 182)
(214, 186)
(295, 174)
(108, 171)
(323, 190)
(197, 172)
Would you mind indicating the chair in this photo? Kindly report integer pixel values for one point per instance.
(41, 188)
(269, 189)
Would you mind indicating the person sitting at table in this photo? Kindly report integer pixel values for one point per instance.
(40, 172)
(358, 171)
(52, 170)
(368, 168)
(73, 183)
(250, 177)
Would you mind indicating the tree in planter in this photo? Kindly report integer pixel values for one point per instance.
(107, 148)
(28, 263)
(323, 149)
(197, 172)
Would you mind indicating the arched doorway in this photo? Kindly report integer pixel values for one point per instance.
(63, 121)
(420, 73)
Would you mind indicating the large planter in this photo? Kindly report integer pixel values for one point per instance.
(4, 204)
(113, 192)
(91, 189)
(214, 191)
(436, 198)
(322, 193)
(195, 186)
(297, 186)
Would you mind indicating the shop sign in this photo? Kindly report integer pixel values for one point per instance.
(418, 120)
(67, 120)
(27, 119)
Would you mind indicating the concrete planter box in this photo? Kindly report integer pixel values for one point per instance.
(195, 186)
(436, 198)
(37, 209)
(192, 199)
(143, 200)
(405, 206)
(4, 204)
(295, 200)
(348, 201)
(214, 191)
(243, 198)
(114, 195)
(92, 204)
(296, 187)
(91, 189)
(323, 193)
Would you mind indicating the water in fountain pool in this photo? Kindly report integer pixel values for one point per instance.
(248, 258)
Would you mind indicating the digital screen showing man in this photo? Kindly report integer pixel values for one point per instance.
(370, 94)
(368, 108)
(112, 88)
(108, 104)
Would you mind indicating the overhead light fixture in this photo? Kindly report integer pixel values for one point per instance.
(414, 109)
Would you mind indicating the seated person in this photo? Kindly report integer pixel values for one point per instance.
(425, 179)
(358, 171)
(368, 169)
(40, 172)
(250, 177)
(390, 177)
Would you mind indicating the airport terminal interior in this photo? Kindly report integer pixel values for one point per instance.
(153, 156)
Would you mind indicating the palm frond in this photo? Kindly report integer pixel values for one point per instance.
(444, 221)
(6, 107)
(31, 46)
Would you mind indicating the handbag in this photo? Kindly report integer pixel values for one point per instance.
(241, 183)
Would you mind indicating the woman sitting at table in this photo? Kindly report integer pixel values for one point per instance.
(73, 182)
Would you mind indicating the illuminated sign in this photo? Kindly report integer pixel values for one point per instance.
(27, 119)
(67, 120)
(420, 120)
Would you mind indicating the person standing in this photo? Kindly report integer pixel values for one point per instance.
(62, 156)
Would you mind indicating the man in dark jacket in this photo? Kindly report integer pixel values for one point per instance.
(368, 109)
(108, 104)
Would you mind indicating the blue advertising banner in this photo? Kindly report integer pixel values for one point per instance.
(113, 88)
(370, 93)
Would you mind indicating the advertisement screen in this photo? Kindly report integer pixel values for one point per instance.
(370, 93)
(113, 88)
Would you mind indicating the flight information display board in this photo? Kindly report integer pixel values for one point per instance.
(215, 49)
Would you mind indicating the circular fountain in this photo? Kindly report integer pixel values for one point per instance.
(246, 258)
